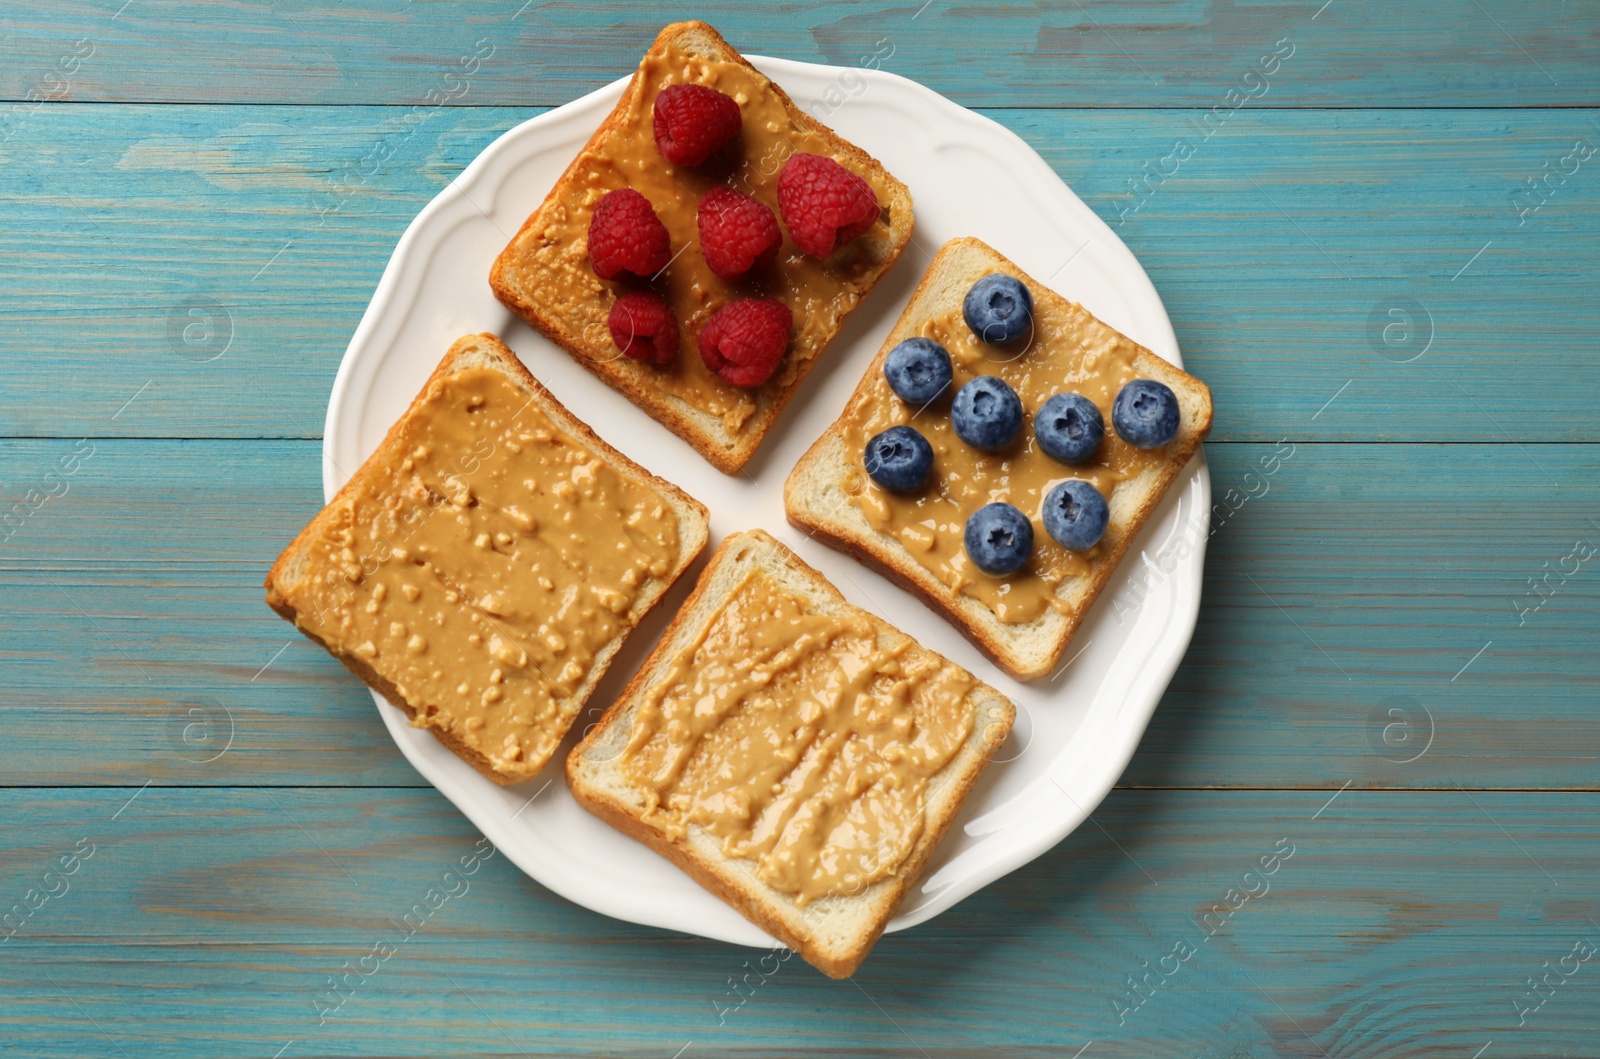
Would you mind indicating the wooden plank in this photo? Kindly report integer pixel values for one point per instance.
(180, 229)
(1352, 580)
(1187, 53)
(1382, 615)
(267, 238)
(209, 922)
(147, 558)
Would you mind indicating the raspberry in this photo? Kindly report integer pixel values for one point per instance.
(693, 122)
(737, 233)
(824, 204)
(644, 328)
(744, 340)
(625, 235)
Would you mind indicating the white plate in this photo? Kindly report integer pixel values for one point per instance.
(969, 176)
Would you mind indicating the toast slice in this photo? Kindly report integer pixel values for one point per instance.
(828, 753)
(483, 566)
(545, 277)
(1022, 622)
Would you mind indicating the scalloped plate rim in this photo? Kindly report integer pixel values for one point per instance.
(1126, 723)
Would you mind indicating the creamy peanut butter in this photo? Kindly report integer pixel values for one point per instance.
(817, 292)
(481, 572)
(803, 741)
(1069, 350)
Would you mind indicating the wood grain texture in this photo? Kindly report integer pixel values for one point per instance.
(1058, 54)
(205, 923)
(1367, 620)
(191, 231)
(125, 618)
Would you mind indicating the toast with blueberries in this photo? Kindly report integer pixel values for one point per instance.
(706, 245)
(795, 755)
(1000, 455)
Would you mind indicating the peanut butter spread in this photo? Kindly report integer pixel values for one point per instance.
(817, 292)
(482, 571)
(1069, 350)
(803, 741)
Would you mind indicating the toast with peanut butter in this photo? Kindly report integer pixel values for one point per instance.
(797, 756)
(917, 536)
(546, 275)
(483, 566)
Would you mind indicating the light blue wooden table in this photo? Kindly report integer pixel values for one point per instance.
(1385, 252)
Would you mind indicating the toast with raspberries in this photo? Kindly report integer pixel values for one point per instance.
(658, 260)
(1000, 472)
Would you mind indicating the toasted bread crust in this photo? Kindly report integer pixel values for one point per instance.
(377, 682)
(890, 558)
(279, 576)
(635, 381)
(753, 901)
(933, 594)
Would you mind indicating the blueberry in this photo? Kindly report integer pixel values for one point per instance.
(986, 413)
(1145, 414)
(1069, 427)
(898, 459)
(999, 538)
(1075, 514)
(918, 370)
(998, 308)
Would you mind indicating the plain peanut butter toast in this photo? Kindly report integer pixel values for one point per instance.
(483, 566)
(999, 455)
(705, 245)
(798, 757)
